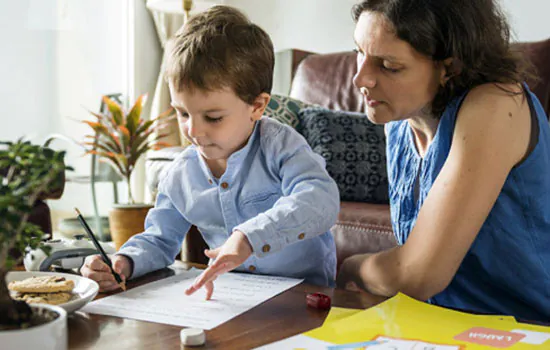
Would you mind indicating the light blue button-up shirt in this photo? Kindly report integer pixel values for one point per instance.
(275, 190)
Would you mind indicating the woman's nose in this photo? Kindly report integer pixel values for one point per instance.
(365, 76)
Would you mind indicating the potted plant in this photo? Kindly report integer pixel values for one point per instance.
(26, 172)
(120, 138)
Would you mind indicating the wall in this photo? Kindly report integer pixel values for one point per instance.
(326, 26)
(528, 18)
(27, 93)
(61, 56)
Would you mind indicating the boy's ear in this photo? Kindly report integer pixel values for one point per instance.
(259, 105)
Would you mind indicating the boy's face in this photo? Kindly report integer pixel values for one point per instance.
(218, 123)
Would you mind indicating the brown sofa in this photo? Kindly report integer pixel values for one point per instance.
(326, 80)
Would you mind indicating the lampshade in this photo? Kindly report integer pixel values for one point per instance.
(176, 6)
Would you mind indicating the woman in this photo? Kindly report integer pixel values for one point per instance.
(468, 158)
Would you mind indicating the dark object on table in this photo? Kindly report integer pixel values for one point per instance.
(318, 301)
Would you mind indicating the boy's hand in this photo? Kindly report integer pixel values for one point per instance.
(230, 255)
(95, 268)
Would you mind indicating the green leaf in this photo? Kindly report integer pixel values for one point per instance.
(115, 110)
(120, 139)
(132, 121)
(31, 170)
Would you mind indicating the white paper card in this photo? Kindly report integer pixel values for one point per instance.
(165, 301)
(532, 337)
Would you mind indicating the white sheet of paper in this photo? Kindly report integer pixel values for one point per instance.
(532, 337)
(299, 341)
(306, 343)
(164, 301)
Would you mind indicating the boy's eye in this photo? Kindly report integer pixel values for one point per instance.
(181, 114)
(213, 120)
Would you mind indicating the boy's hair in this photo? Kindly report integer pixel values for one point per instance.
(474, 32)
(221, 48)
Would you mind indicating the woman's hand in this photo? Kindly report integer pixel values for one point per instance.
(230, 255)
(349, 275)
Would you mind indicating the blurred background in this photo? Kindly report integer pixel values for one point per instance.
(60, 56)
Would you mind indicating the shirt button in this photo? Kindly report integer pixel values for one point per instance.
(301, 236)
(252, 268)
(266, 248)
(225, 185)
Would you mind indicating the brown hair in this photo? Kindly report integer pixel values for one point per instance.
(473, 32)
(221, 48)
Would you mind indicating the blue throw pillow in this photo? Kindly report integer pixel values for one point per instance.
(285, 109)
(354, 150)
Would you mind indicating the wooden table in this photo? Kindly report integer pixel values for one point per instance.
(285, 315)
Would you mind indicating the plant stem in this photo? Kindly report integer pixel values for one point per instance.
(4, 292)
(130, 197)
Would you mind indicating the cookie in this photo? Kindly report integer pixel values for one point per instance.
(42, 284)
(44, 298)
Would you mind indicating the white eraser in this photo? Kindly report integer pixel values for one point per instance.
(192, 337)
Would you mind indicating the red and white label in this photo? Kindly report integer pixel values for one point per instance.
(490, 337)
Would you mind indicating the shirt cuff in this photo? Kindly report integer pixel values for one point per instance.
(263, 238)
(135, 255)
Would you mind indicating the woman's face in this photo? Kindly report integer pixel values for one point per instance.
(396, 81)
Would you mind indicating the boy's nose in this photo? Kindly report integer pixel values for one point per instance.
(194, 128)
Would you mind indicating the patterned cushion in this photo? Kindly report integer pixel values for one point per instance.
(284, 109)
(354, 149)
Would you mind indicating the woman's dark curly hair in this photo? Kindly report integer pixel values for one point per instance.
(473, 32)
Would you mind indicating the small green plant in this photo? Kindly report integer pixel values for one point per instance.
(26, 172)
(121, 138)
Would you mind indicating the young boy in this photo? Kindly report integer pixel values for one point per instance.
(261, 198)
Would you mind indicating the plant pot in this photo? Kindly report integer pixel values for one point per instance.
(126, 220)
(70, 227)
(48, 336)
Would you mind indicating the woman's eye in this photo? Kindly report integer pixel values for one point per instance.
(391, 70)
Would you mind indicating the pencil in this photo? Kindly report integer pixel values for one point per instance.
(100, 249)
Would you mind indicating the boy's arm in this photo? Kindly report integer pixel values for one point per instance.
(158, 246)
(310, 202)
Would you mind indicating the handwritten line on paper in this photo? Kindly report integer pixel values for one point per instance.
(164, 301)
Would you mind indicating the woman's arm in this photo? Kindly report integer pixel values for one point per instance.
(491, 136)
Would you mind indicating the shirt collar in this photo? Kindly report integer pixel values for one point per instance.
(234, 159)
(238, 156)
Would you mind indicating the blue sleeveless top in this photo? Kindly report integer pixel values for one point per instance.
(507, 268)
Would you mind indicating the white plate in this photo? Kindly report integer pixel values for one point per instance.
(84, 288)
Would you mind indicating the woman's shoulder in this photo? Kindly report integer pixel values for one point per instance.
(502, 93)
(492, 102)
(495, 116)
